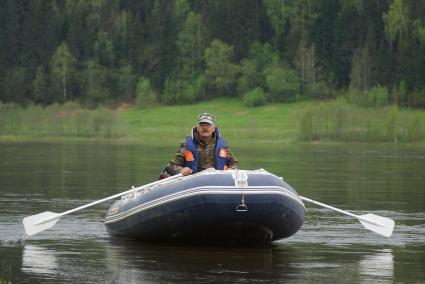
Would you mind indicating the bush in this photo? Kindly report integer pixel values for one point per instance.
(283, 83)
(70, 105)
(353, 96)
(254, 98)
(306, 125)
(377, 96)
(145, 96)
(391, 124)
(399, 93)
(252, 69)
(319, 90)
(192, 90)
(182, 92)
(414, 128)
(417, 98)
(248, 78)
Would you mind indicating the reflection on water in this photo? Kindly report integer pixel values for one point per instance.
(378, 264)
(132, 262)
(36, 259)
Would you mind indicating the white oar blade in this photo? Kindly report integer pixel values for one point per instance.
(36, 223)
(378, 224)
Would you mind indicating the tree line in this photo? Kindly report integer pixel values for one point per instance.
(183, 51)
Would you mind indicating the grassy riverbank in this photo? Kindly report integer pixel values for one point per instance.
(340, 121)
(278, 123)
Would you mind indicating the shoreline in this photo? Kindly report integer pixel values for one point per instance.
(175, 143)
(305, 122)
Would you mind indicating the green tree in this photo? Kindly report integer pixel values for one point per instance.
(14, 86)
(260, 57)
(305, 62)
(333, 44)
(63, 71)
(137, 46)
(191, 41)
(403, 27)
(278, 14)
(120, 36)
(182, 91)
(186, 83)
(126, 83)
(145, 95)
(96, 84)
(39, 86)
(220, 72)
(249, 77)
(10, 46)
(167, 18)
(293, 19)
(39, 33)
(360, 69)
(254, 98)
(104, 50)
(324, 40)
(237, 22)
(282, 83)
(397, 21)
(79, 33)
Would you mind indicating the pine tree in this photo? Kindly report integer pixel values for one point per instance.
(39, 86)
(191, 42)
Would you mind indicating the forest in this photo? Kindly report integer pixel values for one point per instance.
(104, 52)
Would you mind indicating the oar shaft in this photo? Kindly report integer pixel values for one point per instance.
(341, 211)
(45, 220)
(329, 207)
(119, 195)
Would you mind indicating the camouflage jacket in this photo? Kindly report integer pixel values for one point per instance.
(206, 157)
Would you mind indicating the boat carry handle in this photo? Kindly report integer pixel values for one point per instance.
(242, 206)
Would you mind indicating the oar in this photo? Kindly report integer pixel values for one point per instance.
(378, 224)
(36, 223)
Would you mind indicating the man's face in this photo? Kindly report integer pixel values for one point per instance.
(205, 130)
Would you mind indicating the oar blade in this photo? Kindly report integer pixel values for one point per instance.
(36, 223)
(378, 224)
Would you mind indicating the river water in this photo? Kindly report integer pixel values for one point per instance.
(382, 179)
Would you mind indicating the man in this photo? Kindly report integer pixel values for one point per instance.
(204, 149)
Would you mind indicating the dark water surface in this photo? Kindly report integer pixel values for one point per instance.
(385, 180)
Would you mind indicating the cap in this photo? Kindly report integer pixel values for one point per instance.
(206, 117)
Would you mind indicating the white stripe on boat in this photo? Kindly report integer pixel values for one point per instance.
(204, 190)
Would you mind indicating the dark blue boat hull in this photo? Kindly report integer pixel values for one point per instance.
(211, 208)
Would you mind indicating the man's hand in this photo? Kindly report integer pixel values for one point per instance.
(186, 171)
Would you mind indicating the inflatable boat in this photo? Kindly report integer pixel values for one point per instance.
(226, 207)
